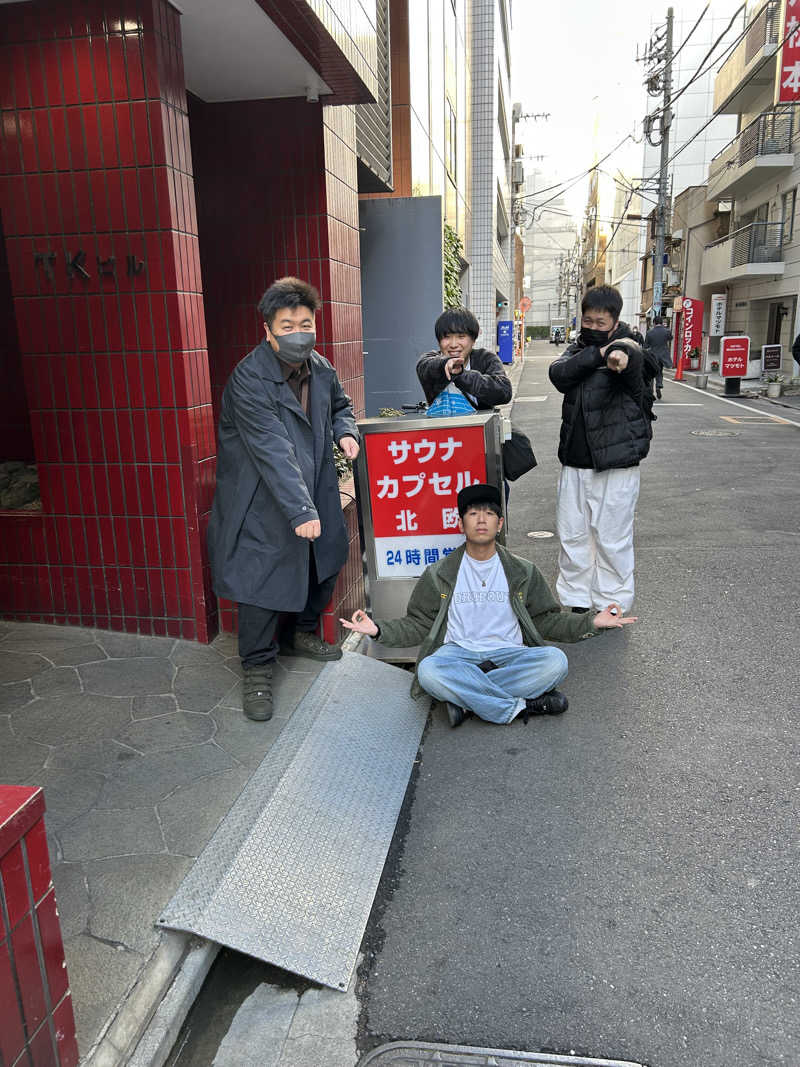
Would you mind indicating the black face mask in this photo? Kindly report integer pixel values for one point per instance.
(594, 337)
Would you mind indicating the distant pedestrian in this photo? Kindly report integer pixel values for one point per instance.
(477, 372)
(657, 341)
(277, 537)
(605, 433)
(481, 617)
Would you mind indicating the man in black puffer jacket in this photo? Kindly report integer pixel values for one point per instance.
(477, 372)
(605, 433)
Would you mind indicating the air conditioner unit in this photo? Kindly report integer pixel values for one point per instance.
(517, 172)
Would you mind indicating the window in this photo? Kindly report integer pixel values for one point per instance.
(788, 202)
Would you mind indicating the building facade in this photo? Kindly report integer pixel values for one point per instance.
(593, 239)
(490, 244)
(756, 176)
(549, 237)
(693, 140)
(623, 266)
(159, 171)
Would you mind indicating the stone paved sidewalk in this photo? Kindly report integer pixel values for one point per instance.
(141, 747)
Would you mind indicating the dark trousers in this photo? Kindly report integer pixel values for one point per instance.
(258, 640)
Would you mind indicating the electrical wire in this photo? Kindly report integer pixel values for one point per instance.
(691, 31)
(613, 232)
(576, 179)
(569, 183)
(700, 71)
(716, 114)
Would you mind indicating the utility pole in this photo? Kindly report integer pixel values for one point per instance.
(661, 210)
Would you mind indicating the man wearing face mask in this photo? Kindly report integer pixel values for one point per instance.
(277, 538)
(605, 433)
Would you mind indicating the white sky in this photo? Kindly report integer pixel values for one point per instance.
(576, 59)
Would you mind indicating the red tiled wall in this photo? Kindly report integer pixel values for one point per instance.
(285, 203)
(34, 988)
(96, 157)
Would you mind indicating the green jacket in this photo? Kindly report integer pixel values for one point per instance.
(425, 624)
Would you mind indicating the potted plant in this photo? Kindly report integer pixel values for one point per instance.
(694, 359)
(774, 385)
(714, 366)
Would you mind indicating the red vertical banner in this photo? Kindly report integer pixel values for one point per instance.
(788, 81)
(692, 331)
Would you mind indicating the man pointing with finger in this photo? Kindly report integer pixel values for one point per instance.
(277, 538)
(605, 434)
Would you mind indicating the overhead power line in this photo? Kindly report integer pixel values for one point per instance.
(569, 182)
(701, 69)
(688, 37)
(716, 114)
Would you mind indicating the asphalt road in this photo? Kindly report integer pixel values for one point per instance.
(622, 881)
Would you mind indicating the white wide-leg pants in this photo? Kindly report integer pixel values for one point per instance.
(594, 518)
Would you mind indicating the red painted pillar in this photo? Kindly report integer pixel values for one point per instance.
(36, 1012)
(97, 202)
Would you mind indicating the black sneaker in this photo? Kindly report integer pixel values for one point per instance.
(257, 693)
(551, 703)
(456, 714)
(311, 646)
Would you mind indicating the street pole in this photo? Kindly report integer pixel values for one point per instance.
(661, 210)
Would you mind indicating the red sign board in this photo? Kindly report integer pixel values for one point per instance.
(525, 304)
(735, 352)
(414, 477)
(692, 325)
(789, 57)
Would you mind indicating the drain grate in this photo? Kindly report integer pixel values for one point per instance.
(424, 1054)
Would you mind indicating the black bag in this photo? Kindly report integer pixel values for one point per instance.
(518, 457)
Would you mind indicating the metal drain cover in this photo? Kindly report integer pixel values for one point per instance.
(423, 1054)
(714, 433)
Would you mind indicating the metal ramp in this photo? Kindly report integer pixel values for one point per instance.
(291, 873)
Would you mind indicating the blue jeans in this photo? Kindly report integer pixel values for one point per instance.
(452, 673)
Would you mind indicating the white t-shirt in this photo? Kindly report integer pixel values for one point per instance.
(480, 617)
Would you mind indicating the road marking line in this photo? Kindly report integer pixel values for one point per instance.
(762, 420)
(725, 400)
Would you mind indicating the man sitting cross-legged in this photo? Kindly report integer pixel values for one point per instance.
(481, 617)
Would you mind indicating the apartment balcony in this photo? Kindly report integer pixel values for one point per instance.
(750, 252)
(760, 153)
(751, 66)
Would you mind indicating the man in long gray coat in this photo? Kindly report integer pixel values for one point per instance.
(277, 538)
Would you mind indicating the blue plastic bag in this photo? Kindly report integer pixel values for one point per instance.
(451, 402)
